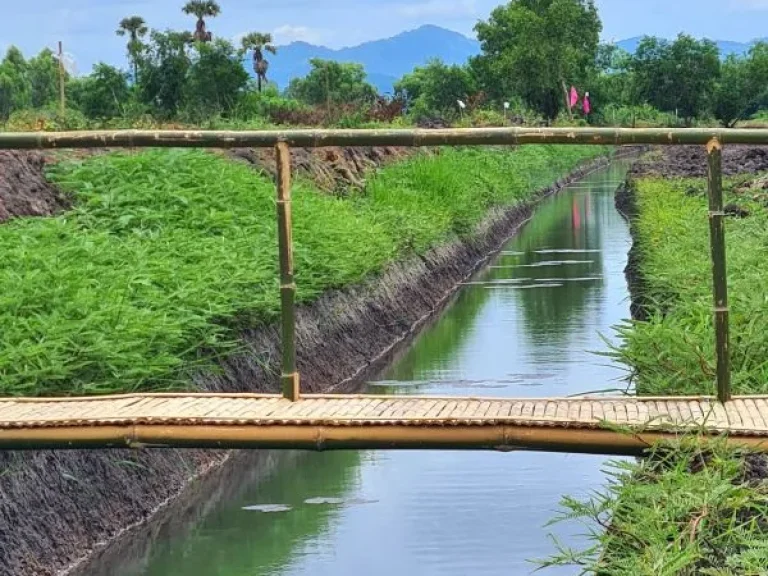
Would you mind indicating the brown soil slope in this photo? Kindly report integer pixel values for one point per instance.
(332, 169)
(23, 188)
(691, 161)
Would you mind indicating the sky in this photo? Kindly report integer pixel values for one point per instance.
(87, 26)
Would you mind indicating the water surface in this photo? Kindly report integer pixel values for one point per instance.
(526, 326)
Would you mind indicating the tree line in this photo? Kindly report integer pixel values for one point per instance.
(532, 52)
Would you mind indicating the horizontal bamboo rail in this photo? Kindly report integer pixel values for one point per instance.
(404, 137)
(500, 438)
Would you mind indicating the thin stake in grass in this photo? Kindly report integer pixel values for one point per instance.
(290, 377)
(719, 273)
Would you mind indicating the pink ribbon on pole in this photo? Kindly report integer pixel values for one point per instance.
(574, 97)
(587, 105)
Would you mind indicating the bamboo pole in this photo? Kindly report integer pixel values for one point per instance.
(62, 92)
(567, 100)
(406, 137)
(290, 377)
(719, 271)
(499, 437)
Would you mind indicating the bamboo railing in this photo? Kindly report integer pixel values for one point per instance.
(405, 137)
(282, 140)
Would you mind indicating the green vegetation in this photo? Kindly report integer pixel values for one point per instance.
(673, 352)
(680, 512)
(167, 252)
(532, 51)
(533, 48)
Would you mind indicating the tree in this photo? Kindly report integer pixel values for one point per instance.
(135, 28)
(612, 81)
(435, 88)
(104, 93)
(43, 74)
(676, 77)
(15, 88)
(259, 43)
(532, 47)
(202, 9)
(165, 65)
(332, 82)
(215, 81)
(743, 86)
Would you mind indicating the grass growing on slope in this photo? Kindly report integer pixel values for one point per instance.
(673, 353)
(167, 252)
(683, 511)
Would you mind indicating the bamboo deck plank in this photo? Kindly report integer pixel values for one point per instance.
(743, 415)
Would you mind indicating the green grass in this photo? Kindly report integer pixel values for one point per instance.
(673, 353)
(168, 252)
(680, 512)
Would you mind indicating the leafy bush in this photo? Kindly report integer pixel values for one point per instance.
(168, 251)
(47, 119)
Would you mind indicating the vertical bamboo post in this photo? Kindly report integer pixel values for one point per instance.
(719, 274)
(62, 75)
(290, 377)
(567, 100)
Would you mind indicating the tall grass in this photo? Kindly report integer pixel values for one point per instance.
(673, 353)
(683, 511)
(168, 252)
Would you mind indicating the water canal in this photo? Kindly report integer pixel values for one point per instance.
(526, 326)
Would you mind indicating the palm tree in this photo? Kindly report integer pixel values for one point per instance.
(136, 28)
(259, 43)
(202, 9)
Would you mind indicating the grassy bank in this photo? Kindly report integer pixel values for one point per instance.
(673, 353)
(166, 253)
(680, 512)
(684, 511)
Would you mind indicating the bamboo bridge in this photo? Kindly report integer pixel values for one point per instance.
(622, 425)
(626, 425)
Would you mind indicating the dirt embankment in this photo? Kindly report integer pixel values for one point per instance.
(56, 508)
(331, 169)
(691, 161)
(23, 188)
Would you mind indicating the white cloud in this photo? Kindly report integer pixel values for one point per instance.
(287, 33)
(439, 8)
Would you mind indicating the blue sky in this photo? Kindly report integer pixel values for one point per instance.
(87, 26)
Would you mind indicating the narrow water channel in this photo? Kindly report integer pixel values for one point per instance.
(526, 326)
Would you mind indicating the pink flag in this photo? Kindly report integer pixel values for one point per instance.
(587, 105)
(574, 97)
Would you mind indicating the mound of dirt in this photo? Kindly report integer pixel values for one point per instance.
(691, 161)
(331, 169)
(24, 190)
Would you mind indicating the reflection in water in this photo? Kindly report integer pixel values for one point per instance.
(520, 328)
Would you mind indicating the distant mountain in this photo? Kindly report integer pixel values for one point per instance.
(385, 61)
(726, 47)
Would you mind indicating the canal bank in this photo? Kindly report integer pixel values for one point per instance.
(525, 325)
(62, 506)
